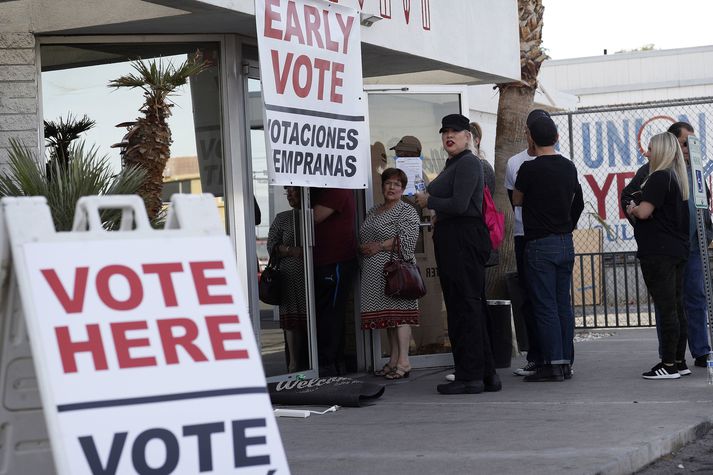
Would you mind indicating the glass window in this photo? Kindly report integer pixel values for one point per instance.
(75, 80)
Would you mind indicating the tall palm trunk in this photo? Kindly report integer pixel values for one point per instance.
(514, 103)
(147, 145)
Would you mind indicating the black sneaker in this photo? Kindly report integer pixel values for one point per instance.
(527, 370)
(661, 371)
(682, 368)
(701, 361)
(548, 372)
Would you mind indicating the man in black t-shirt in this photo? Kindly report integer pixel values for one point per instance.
(549, 192)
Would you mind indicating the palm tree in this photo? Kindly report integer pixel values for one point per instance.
(514, 103)
(84, 174)
(147, 143)
(61, 133)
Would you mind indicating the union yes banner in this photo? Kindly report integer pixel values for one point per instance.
(315, 108)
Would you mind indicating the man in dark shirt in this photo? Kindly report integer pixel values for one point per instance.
(549, 192)
(334, 269)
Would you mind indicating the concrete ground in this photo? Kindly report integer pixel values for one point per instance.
(605, 420)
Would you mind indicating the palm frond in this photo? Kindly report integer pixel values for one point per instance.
(86, 174)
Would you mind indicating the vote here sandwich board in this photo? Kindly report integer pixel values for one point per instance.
(145, 353)
(315, 110)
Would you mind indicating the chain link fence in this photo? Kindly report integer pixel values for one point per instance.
(607, 145)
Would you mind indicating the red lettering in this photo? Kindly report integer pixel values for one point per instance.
(321, 65)
(293, 24)
(302, 62)
(620, 184)
(164, 272)
(68, 348)
(123, 344)
(346, 30)
(600, 193)
(328, 42)
(312, 21)
(202, 283)
(218, 338)
(75, 303)
(170, 341)
(281, 77)
(136, 291)
(272, 15)
(337, 81)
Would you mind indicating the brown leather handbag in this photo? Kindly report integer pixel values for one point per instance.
(403, 278)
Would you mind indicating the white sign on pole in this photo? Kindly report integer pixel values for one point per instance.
(144, 351)
(315, 110)
(698, 181)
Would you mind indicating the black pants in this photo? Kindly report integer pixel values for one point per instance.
(332, 286)
(664, 279)
(462, 248)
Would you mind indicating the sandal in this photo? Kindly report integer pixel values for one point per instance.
(387, 369)
(399, 373)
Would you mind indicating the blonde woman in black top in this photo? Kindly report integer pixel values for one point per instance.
(661, 231)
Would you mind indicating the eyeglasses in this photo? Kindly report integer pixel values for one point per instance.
(395, 184)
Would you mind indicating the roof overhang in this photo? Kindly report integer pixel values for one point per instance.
(381, 64)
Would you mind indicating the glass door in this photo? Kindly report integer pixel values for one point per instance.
(394, 114)
(283, 218)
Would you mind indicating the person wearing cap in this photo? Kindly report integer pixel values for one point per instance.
(462, 245)
(694, 296)
(408, 146)
(549, 214)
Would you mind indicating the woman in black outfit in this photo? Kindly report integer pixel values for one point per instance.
(662, 236)
(462, 245)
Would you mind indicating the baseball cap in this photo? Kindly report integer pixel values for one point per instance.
(542, 128)
(408, 143)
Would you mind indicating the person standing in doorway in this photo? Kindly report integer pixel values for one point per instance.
(694, 296)
(378, 234)
(462, 244)
(335, 252)
(549, 192)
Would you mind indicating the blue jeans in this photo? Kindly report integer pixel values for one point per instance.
(694, 302)
(549, 262)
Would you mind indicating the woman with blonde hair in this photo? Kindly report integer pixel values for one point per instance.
(662, 235)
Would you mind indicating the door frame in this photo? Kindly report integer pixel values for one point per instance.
(250, 69)
(417, 361)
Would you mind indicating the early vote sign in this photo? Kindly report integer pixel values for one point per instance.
(146, 357)
(315, 112)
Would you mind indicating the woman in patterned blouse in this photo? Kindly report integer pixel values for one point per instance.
(378, 311)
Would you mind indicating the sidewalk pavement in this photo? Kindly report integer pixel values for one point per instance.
(605, 420)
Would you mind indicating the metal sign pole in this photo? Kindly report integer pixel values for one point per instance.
(698, 193)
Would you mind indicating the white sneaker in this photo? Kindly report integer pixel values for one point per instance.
(527, 370)
(450, 377)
